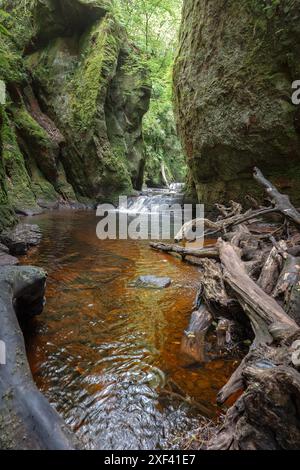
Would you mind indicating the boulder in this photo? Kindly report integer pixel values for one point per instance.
(233, 88)
(28, 422)
(5, 258)
(21, 238)
(152, 282)
(8, 260)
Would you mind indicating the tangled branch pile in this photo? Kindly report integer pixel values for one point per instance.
(250, 289)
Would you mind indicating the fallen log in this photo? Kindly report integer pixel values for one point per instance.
(233, 217)
(281, 202)
(193, 341)
(213, 291)
(234, 384)
(269, 321)
(288, 287)
(187, 231)
(271, 271)
(267, 415)
(252, 271)
(205, 252)
(27, 419)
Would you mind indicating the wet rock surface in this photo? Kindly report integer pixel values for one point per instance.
(21, 238)
(71, 132)
(5, 258)
(152, 282)
(27, 419)
(8, 260)
(233, 96)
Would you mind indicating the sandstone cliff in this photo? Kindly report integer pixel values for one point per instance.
(233, 77)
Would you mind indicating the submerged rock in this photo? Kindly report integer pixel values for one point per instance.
(5, 258)
(21, 238)
(233, 86)
(152, 282)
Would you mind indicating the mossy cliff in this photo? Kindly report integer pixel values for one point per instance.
(72, 125)
(6, 212)
(233, 77)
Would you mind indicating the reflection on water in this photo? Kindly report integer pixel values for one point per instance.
(102, 350)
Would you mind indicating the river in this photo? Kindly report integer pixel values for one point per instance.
(103, 350)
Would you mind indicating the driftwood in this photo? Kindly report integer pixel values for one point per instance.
(223, 225)
(270, 271)
(206, 252)
(288, 287)
(27, 419)
(253, 279)
(258, 421)
(223, 329)
(193, 341)
(268, 319)
(281, 202)
(232, 216)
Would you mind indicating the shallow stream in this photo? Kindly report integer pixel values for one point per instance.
(103, 351)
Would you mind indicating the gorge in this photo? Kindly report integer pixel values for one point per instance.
(113, 361)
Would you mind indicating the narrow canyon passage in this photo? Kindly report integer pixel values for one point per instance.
(103, 350)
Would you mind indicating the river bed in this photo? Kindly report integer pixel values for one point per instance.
(103, 350)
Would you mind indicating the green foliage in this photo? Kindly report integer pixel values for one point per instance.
(269, 8)
(100, 56)
(15, 32)
(3, 30)
(18, 21)
(18, 181)
(23, 120)
(152, 26)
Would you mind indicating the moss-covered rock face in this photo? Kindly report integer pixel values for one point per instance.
(6, 213)
(126, 103)
(72, 125)
(18, 182)
(233, 76)
(89, 87)
(55, 18)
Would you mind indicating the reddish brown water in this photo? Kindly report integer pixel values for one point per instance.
(103, 350)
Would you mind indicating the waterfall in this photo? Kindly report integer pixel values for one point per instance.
(151, 200)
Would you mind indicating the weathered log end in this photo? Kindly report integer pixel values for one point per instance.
(193, 341)
(267, 415)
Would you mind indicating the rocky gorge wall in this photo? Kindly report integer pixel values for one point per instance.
(232, 82)
(71, 129)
